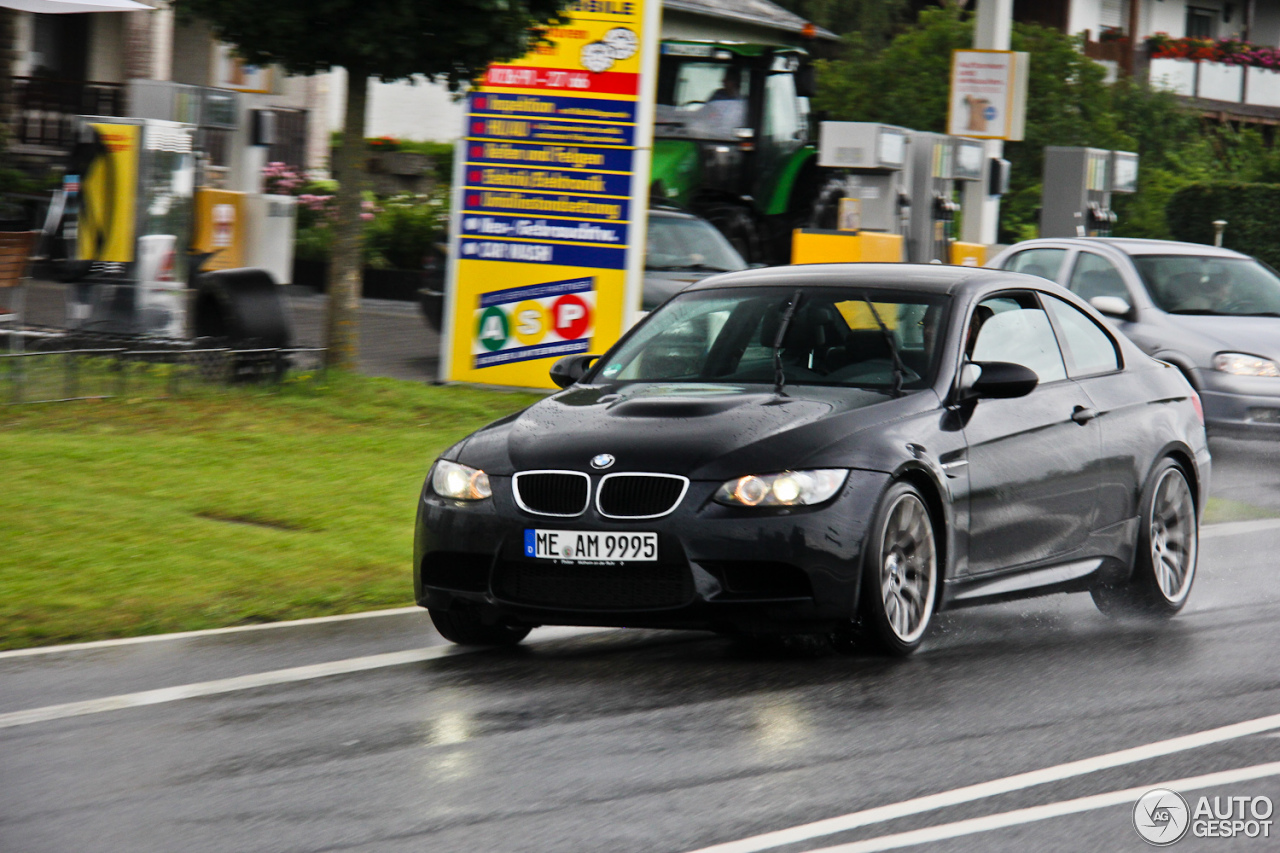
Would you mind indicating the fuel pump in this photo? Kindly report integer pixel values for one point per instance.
(120, 233)
(872, 159)
(1078, 183)
(970, 155)
(937, 162)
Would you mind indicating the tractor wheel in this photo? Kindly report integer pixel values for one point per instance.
(739, 228)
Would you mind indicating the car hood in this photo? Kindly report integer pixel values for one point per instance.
(1253, 335)
(701, 431)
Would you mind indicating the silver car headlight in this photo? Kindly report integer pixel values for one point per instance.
(789, 488)
(1243, 364)
(460, 482)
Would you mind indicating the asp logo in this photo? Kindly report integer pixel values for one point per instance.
(1161, 817)
(535, 321)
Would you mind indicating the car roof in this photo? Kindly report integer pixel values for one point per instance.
(1141, 246)
(926, 278)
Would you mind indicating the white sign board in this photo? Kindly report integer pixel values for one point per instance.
(988, 94)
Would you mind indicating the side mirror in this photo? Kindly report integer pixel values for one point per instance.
(997, 380)
(1112, 306)
(571, 368)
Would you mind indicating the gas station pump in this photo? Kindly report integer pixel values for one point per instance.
(872, 159)
(120, 233)
(1078, 182)
(937, 162)
(126, 220)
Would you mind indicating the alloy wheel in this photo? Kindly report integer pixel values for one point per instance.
(1173, 536)
(908, 568)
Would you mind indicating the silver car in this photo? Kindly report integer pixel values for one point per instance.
(1212, 312)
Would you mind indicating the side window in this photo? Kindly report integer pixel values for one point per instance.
(1046, 263)
(1087, 348)
(1014, 328)
(1094, 276)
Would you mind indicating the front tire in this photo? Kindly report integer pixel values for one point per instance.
(465, 626)
(1168, 547)
(899, 573)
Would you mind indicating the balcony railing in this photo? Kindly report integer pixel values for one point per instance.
(1217, 81)
(44, 109)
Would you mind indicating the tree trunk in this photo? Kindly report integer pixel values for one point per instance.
(344, 267)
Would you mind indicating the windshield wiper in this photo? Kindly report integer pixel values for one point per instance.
(899, 369)
(1206, 312)
(779, 375)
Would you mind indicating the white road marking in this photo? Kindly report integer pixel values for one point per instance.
(1236, 528)
(970, 793)
(260, 679)
(207, 632)
(1050, 810)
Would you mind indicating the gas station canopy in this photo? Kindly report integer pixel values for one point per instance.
(69, 7)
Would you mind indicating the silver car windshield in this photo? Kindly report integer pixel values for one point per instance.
(831, 338)
(1197, 284)
(685, 244)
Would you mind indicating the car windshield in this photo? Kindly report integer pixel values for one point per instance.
(727, 335)
(678, 243)
(1197, 284)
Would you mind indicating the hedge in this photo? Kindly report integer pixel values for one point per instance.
(1252, 212)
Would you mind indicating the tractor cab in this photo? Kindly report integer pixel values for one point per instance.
(731, 133)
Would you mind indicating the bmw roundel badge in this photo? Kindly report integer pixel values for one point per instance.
(602, 460)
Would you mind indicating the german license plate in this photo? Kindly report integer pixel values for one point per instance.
(589, 545)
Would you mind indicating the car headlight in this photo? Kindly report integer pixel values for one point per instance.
(1243, 364)
(460, 482)
(789, 488)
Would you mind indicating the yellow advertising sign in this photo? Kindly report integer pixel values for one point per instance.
(107, 206)
(220, 228)
(551, 194)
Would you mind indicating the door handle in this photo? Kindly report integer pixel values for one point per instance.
(1082, 416)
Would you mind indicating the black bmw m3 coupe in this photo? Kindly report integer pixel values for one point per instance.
(832, 450)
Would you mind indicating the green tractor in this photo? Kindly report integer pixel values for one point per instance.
(733, 144)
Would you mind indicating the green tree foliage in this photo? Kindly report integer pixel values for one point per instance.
(1068, 103)
(446, 40)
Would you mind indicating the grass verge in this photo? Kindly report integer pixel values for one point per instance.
(139, 516)
(1221, 510)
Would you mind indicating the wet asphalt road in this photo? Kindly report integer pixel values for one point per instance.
(653, 741)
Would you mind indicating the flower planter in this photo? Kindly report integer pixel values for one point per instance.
(1219, 82)
(1174, 75)
(1263, 88)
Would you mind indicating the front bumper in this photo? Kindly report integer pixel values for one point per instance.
(719, 567)
(1243, 405)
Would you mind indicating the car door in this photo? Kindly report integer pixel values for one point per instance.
(1032, 460)
(1095, 364)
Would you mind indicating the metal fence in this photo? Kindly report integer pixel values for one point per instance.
(96, 374)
